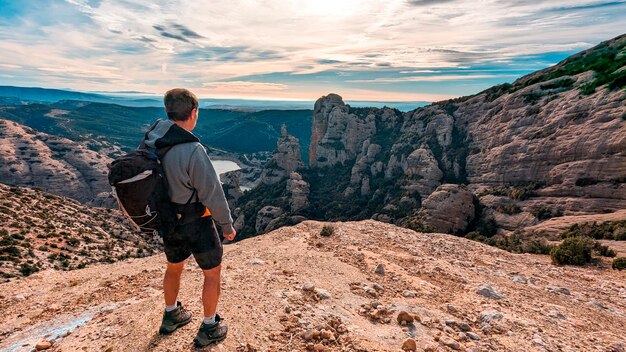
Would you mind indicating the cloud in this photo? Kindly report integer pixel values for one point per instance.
(438, 78)
(428, 2)
(244, 86)
(413, 46)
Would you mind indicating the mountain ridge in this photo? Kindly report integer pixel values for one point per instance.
(548, 145)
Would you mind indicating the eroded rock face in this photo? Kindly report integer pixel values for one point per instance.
(298, 191)
(232, 187)
(54, 164)
(337, 135)
(285, 159)
(265, 217)
(449, 209)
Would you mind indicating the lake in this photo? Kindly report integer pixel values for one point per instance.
(222, 166)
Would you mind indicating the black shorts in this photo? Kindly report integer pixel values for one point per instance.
(199, 237)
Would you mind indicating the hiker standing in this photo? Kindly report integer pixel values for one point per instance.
(196, 191)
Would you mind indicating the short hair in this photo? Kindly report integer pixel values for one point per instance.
(179, 102)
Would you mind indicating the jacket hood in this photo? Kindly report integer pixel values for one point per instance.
(164, 134)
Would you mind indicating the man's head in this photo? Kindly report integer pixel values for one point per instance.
(181, 106)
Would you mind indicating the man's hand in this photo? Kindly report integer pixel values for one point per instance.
(230, 236)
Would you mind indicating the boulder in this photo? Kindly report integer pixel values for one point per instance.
(265, 217)
(450, 209)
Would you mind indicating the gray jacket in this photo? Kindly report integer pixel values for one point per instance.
(187, 167)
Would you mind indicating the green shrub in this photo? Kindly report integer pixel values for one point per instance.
(27, 269)
(327, 231)
(619, 263)
(608, 230)
(604, 251)
(573, 251)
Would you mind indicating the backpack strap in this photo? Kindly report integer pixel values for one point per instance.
(194, 193)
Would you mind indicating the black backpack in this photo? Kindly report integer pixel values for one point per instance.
(141, 190)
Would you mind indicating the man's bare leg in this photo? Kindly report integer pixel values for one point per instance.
(171, 282)
(211, 290)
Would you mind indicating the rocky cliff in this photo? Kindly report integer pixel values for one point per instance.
(550, 144)
(54, 164)
(369, 286)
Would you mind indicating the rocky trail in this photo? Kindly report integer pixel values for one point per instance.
(293, 290)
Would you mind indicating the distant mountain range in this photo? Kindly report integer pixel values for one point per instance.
(232, 130)
(10, 95)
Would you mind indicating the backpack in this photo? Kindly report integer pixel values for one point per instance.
(141, 190)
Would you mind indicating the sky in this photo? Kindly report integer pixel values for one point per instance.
(388, 50)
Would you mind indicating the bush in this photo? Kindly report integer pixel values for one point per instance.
(619, 263)
(327, 231)
(573, 251)
(604, 251)
(608, 230)
(27, 269)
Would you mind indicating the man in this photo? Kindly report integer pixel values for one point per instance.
(190, 174)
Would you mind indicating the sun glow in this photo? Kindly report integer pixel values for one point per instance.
(333, 9)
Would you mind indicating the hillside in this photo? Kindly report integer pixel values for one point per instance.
(279, 287)
(40, 231)
(550, 144)
(232, 130)
(55, 164)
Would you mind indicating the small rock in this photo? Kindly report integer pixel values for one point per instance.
(409, 345)
(308, 335)
(257, 261)
(319, 347)
(378, 287)
(380, 269)
(326, 334)
(308, 286)
(43, 345)
(616, 347)
(18, 298)
(556, 314)
(408, 294)
(519, 279)
(463, 326)
(287, 309)
(322, 294)
(472, 335)
(449, 342)
(490, 315)
(405, 318)
(463, 336)
(452, 309)
(598, 304)
(487, 291)
(297, 313)
(561, 290)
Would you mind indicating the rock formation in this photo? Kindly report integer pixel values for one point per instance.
(298, 191)
(266, 218)
(549, 144)
(449, 209)
(232, 187)
(54, 164)
(337, 134)
(285, 159)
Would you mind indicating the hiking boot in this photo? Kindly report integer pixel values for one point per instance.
(174, 319)
(209, 334)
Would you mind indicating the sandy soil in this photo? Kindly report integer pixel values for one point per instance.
(466, 296)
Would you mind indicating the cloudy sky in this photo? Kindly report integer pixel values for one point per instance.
(388, 50)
